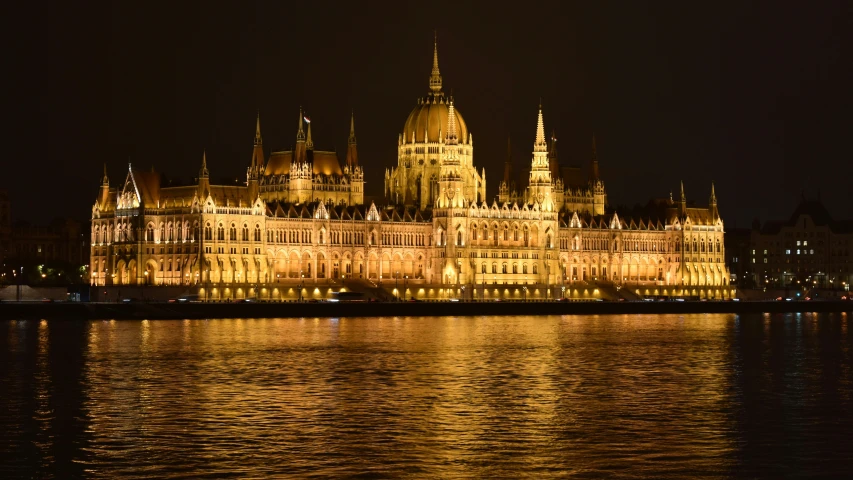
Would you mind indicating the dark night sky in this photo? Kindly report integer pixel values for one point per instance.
(755, 97)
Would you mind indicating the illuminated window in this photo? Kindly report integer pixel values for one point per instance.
(765, 260)
(787, 252)
(805, 243)
(798, 243)
(798, 251)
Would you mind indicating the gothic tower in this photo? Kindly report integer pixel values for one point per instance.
(539, 189)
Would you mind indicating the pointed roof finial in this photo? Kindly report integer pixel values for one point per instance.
(683, 197)
(106, 180)
(300, 134)
(540, 145)
(713, 194)
(451, 124)
(352, 127)
(309, 143)
(203, 173)
(435, 76)
(258, 140)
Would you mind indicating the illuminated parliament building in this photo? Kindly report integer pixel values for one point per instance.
(301, 218)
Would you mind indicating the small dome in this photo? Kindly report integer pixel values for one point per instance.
(430, 115)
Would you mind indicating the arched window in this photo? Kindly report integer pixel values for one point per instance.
(459, 238)
(208, 232)
(514, 268)
(535, 269)
(515, 234)
(220, 233)
(503, 268)
(441, 239)
(547, 240)
(232, 233)
(483, 268)
(257, 233)
(524, 268)
(494, 268)
(149, 233)
(245, 236)
(506, 233)
(321, 236)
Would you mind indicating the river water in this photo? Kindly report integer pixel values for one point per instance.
(625, 396)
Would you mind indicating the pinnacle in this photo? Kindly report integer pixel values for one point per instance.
(435, 76)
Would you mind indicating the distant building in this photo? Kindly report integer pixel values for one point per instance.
(60, 241)
(22, 243)
(810, 248)
(738, 242)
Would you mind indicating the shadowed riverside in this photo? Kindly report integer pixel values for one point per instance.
(153, 311)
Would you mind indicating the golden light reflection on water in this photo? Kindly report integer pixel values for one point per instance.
(475, 397)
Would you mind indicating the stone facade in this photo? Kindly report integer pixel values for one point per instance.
(810, 249)
(301, 217)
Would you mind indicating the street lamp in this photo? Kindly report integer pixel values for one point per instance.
(396, 292)
(143, 284)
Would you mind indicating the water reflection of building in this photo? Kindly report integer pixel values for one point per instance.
(808, 249)
(300, 216)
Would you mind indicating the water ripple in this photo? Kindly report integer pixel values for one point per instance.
(673, 396)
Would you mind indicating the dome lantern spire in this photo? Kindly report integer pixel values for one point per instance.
(435, 76)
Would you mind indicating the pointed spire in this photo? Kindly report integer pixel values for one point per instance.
(256, 167)
(258, 140)
(713, 195)
(309, 143)
(435, 76)
(451, 124)
(683, 198)
(106, 180)
(300, 134)
(203, 173)
(352, 152)
(595, 174)
(508, 163)
(540, 145)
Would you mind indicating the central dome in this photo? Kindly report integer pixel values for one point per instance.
(428, 121)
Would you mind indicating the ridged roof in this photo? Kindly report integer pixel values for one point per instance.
(428, 121)
(324, 163)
